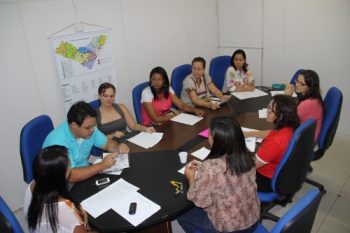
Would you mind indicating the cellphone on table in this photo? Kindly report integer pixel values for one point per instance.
(132, 208)
(102, 181)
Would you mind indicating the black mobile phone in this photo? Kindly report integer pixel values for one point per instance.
(132, 208)
(102, 181)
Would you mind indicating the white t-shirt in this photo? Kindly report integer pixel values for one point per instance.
(147, 95)
(66, 217)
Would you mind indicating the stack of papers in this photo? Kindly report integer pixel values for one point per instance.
(249, 94)
(117, 168)
(146, 140)
(202, 153)
(244, 129)
(187, 119)
(118, 197)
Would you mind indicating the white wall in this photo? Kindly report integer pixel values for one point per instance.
(145, 34)
(310, 34)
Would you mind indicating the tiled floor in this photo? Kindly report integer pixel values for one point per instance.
(332, 170)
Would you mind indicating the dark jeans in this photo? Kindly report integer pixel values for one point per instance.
(264, 183)
(196, 219)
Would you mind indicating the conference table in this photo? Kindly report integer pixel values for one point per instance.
(152, 169)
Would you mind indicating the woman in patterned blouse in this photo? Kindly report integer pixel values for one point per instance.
(224, 189)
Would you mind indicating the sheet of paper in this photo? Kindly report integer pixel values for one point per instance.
(244, 129)
(187, 119)
(144, 209)
(146, 140)
(202, 153)
(100, 202)
(249, 94)
(117, 168)
(250, 142)
(263, 113)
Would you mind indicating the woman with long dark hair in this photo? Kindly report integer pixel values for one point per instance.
(238, 76)
(282, 112)
(158, 98)
(47, 205)
(224, 189)
(310, 102)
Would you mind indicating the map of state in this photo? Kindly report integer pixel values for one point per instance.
(85, 55)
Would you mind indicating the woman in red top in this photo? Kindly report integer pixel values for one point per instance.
(282, 112)
(157, 100)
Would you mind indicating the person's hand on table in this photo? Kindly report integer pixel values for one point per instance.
(225, 98)
(109, 160)
(213, 105)
(198, 112)
(123, 148)
(118, 134)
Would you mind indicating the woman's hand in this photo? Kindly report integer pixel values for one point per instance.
(190, 171)
(123, 148)
(149, 129)
(225, 98)
(213, 105)
(118, 134)
(289, 90)
(198, 112)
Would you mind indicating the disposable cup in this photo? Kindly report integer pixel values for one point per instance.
(183, 156)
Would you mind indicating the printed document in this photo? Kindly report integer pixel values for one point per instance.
(202, 153)
(249, 94)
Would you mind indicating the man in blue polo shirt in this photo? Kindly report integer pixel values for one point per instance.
(78, 134)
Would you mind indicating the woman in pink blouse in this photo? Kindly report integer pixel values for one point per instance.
(224, 189)
(310, 103)
(158, 98)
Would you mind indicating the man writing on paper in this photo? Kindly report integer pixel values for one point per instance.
(79, 134)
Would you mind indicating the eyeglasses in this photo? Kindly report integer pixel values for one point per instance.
(300, 83)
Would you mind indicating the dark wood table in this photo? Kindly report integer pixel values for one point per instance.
(151, 170)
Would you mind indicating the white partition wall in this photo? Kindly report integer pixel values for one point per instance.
(241, 27)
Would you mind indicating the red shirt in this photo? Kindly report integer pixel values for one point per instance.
(272, 149)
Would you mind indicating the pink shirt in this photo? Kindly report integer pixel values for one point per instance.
(311, 108)
(160, 106)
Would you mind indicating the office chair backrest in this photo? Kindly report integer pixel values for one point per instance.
(136, 100)
(32, 138)
(332, 103)
(8, 220)
(295, 76)
(292, 169)
(177, 77)
(300, 217)
(95, 104)
(217, 69)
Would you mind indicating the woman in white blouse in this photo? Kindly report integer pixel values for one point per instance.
(46, 205)
(238, 76)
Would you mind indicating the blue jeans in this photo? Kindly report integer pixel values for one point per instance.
(196, 219)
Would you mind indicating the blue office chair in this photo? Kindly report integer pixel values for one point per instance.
(95, 104)
(8, 221)
(291, 171)
(332, 103)
(177, 77)
(217, 70)
(299, 218)
(32, 137)
(295, 76)
(136, 100)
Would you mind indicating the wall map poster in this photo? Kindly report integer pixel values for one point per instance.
(84, 60)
